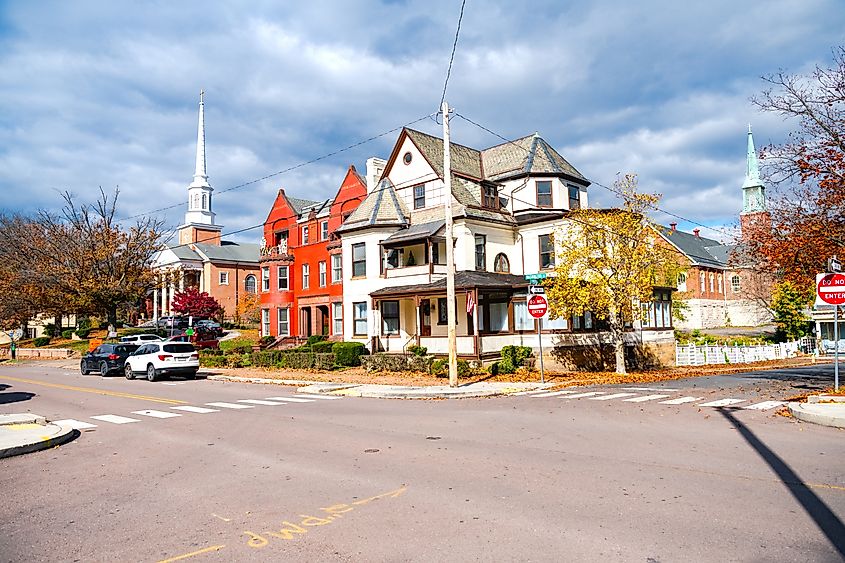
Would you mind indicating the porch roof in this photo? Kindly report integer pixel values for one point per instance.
(463, 280)
(414, 233)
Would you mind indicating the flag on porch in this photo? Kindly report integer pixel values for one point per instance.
(470, 303)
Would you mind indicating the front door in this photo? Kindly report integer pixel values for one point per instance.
(425, 317)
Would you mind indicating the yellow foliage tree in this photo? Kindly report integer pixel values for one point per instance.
(248, 309)
(608, 261)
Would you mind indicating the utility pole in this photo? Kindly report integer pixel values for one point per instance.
(451, 314)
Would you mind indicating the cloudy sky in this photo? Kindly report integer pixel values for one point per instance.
(104, 94)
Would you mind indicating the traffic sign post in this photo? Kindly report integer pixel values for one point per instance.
(537, 308)
(830, 289)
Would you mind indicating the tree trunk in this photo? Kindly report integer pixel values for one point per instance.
(112, 315)
(617, 337)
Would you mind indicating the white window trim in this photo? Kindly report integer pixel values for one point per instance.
(223, 278)
(306, 276)
(324, 231)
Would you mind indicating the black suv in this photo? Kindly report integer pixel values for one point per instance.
(107, 358)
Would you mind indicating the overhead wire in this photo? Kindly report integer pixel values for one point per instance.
(452, 57)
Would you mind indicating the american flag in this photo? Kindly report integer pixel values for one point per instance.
(470, 303)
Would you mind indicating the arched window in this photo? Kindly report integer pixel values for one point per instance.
(204, 201)
(682, 282)
(735, 283)
(249, 284)
(501, 264)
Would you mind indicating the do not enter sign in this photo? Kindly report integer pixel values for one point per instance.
(830, 288)
(537, 306)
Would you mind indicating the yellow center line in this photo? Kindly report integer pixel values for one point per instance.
(96, 391)
(191, 554)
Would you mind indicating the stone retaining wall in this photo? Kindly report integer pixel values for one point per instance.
(44, 353)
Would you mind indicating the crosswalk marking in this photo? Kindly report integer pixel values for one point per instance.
(259, 402)
(645, 398)
(614, 396)
(290, 399)
(157, 414)
(229, 406)
(580, 395)
(722, 403)
(765, 405)
(553, 394)
(648, 389)
(75, 424)
(681, 400)
(319, 397)
(198, 410)
(173, 382)
(114, 419)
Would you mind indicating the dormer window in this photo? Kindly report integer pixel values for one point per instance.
(419, 196)
(490, 197)
(544, 193)
(304, 235)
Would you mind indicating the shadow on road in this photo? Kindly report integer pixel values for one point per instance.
(824, 517)
(14, 397)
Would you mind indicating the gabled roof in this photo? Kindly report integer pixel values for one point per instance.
(700, 250)
(381, 208)
(229, 252)
(299, 204)
(528, 155)
(320, 208)
(464, 160)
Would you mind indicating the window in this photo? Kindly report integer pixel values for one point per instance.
(359, 260)
(324, 230)
(392, 258)
(582, 322)
(498, 317)
(682, 282)
(249, 284)
(547, 252)
(419, 196)
(305, 235)
(337, 268)
(204, 201)
(435, 253)
(224, 278)
(407, 157)
(658, 313)
(735, 283)
(322, 267)
(284, 326)
(501, 264)
(337, 319)
(560, 323)
(359, 319)
(265, 322)
(389, 317)
(282, 275)
(701, 287)
(712, 279)
(442, 313)
(265, 278)
(574, 197)
(721, 284)
(490, 197)
(544, 193)
(306, 275)
(480, 253)
(522, 320)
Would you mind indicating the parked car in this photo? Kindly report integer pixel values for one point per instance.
(140, 338)
(200, 339)
(163, 358)
(211, 326)
(106, 358)
(172, 322)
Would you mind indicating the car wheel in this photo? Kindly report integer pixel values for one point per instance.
(104, 369)
(127, 370)
(83, 368)
(151, 373)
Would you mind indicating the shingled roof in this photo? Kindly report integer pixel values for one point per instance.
(528, 155)
(381, 208)
(701, 250)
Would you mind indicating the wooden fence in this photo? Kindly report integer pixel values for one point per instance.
(692, 355)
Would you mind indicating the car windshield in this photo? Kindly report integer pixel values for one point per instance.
(178, 347)
(125, 348)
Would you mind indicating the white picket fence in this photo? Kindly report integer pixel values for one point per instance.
(693, 355)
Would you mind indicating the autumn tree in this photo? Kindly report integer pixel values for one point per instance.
(789, 303)
(808, 170)
(609, 261)
(192, 302)
(248, 308)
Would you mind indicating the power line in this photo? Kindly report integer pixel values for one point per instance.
(452, 58)
(288, 169)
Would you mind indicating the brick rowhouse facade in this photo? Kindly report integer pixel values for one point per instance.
(301, 285)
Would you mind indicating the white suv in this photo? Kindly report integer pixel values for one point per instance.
(163, 358)
(141, 339)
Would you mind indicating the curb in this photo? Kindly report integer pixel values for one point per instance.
(64, 435)
(238, 379)
(801, 412)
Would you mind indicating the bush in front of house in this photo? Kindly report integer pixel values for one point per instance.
(440, 368)
(267, 340)
(348, 354)
(50, 329)
(299, 360)
(314, 338)
(213, 360)
(67, 334)
(324, 361)
(385, 362)
(417, 350)
(322, 347)
(41, 341)
(83, 332)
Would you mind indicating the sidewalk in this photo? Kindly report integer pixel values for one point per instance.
(26, 433)
(827, 410)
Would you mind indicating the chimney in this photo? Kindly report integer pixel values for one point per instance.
(674, 226)
(375, 167)
(695, 232)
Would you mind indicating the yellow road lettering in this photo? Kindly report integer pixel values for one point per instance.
(193, 553)
(314, 521)
(255, 540)
(287, 532)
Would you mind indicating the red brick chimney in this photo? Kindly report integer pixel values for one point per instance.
(674, 226)
(695, 232)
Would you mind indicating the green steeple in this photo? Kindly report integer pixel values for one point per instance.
(753, 191)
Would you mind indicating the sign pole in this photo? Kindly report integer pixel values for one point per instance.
(836, 348)
(540, 338)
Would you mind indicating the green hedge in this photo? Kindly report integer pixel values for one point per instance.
(440, 368)
(314, 338)
(324, 361)
(213, 361)
(67, 334)
(322, 347)
(348, 354)
(41, 341)
(83, 332)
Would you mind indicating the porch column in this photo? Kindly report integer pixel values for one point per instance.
(181, 280)
(375, 330)
(417, 320)
(475, 326)
(155, 304)
(170, 288)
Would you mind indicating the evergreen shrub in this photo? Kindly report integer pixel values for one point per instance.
(348, 354)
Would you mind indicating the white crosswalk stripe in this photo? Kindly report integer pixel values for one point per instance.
(173, 382)
(114, 419)
(260, 402)
(229, 406)
(75, 424)
(324, 397)
(581, 395)
(290, 399)
(198, 410)
(681, 400)
(765, 405)
(157, 414)
(553, 394)
(645, 398)
(722, 403)
(614, 396)
(648, 389)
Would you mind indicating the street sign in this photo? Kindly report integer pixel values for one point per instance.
(538, 306)
(536, 277)
(831, 288)
(834, 265)
(536, 290)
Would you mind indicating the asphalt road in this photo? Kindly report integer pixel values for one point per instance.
(505, 479)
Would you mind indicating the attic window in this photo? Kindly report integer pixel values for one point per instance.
(407, 157)
(490, 197)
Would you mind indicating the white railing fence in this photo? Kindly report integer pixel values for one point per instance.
(692, 355)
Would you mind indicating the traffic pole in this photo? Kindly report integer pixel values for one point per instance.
(451, 313)
(836, 348)
(540, 338)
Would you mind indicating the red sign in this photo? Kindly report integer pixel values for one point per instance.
(831, 289)
(537, 306)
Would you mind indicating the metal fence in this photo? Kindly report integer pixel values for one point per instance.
(693, 355)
